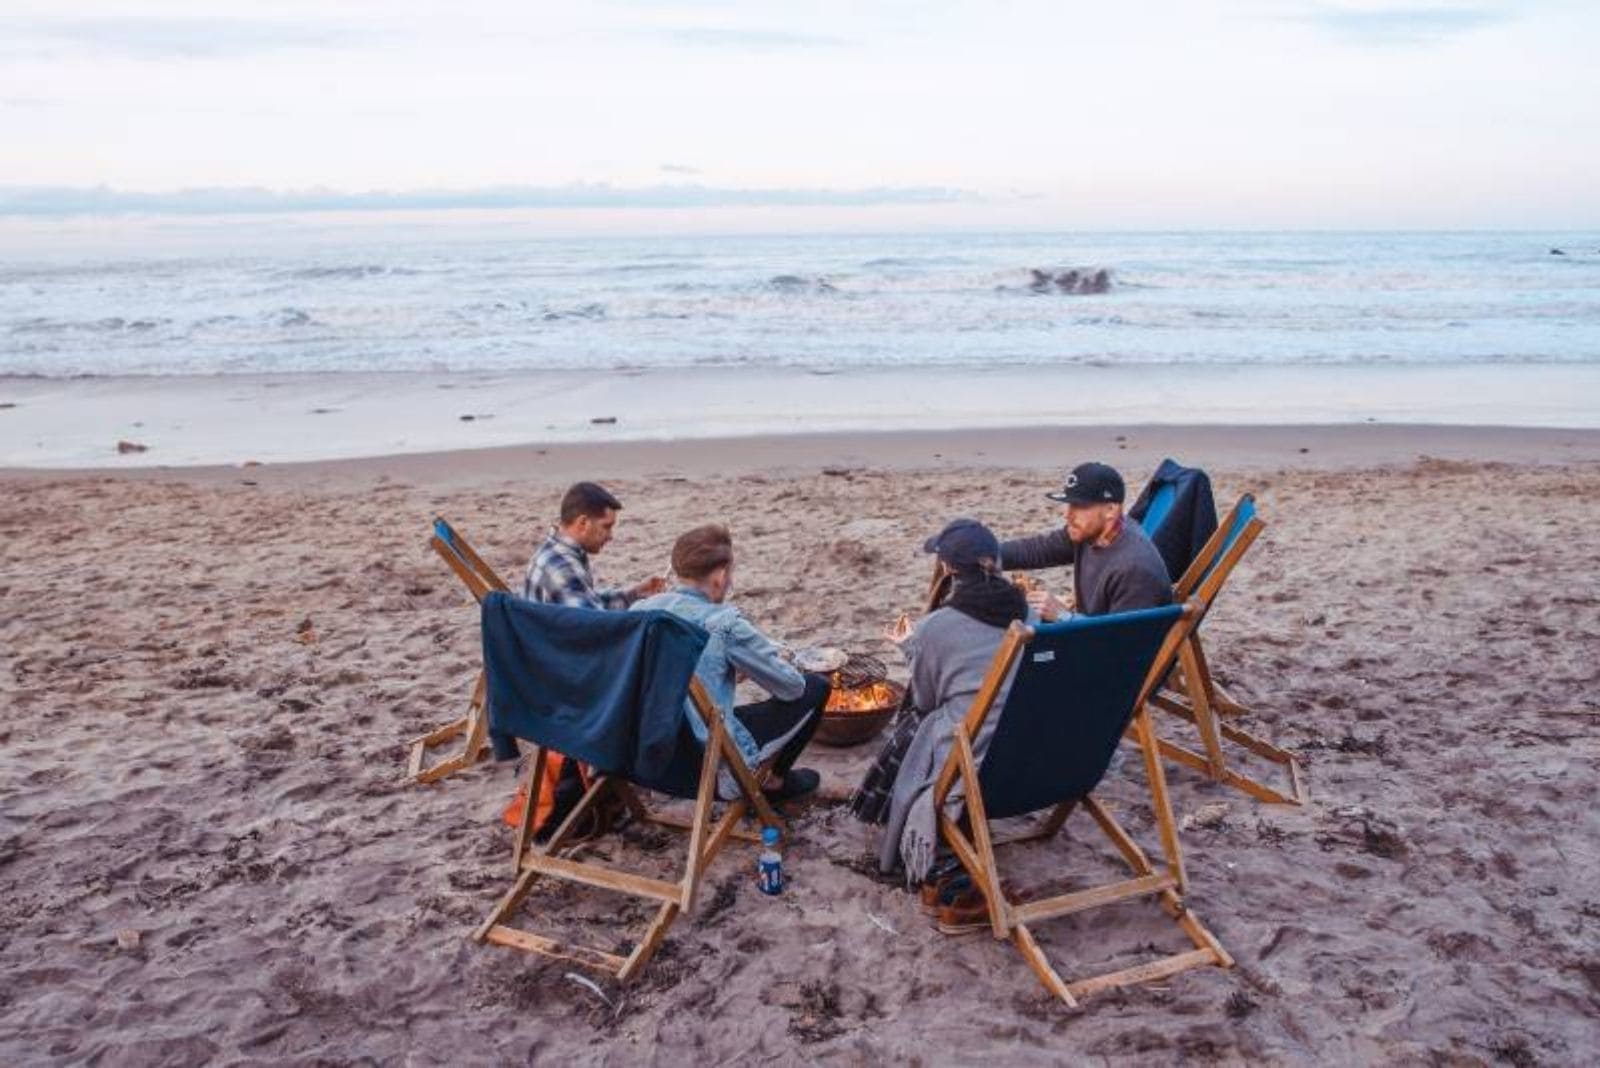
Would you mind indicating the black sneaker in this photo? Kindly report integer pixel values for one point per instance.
(797, 782)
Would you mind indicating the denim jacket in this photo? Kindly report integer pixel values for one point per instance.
(735, 646)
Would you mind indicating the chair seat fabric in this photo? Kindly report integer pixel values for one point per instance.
(1072, 698)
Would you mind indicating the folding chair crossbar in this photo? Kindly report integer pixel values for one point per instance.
(974, 844)
(481, 580)
(705, 840)
(1191, 694)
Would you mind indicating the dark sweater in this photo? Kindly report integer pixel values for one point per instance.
(1124, 576)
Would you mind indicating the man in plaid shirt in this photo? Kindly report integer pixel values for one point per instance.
(559, 571)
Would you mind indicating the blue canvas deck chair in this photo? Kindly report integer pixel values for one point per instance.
(1078, 686)
(543, 713)
(481, 580)
(1193, 695)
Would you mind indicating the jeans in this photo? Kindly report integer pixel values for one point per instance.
(772, 719)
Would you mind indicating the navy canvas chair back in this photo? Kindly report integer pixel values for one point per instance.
(1159, 507)
(605, 688)
(1071, 700)
(1177, 512)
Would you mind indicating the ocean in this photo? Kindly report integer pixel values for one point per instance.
(390, 299)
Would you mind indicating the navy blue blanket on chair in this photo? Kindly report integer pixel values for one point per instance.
(606, 688)
(1178, 513)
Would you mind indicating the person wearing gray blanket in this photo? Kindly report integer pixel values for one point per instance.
(949, 651)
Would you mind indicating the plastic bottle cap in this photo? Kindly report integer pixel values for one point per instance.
(770, 836)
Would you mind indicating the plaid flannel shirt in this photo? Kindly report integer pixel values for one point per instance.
(559, 574)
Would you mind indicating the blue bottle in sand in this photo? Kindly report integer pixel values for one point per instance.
(769, 866)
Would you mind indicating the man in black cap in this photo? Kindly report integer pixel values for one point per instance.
(1115, 568)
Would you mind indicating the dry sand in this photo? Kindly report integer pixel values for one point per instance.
(207, 854)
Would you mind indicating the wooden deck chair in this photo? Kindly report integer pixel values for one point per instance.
(692, 775)
(1193, 695)
(480, 579)
(1080, 684)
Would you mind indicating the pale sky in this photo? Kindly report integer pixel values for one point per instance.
(1107, 115)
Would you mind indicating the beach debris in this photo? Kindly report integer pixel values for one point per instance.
(323, 411)
(882, 925)
(1304, 449)
(603, 420)
(128, 939)
(306, 632)
(473, 417)
(593, 988)
(251, 463)
(125, 447)
(1558, 252)
(7, 404)
(838, 472)
(1212, 817)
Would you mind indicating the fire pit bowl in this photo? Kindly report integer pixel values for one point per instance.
(858, 714)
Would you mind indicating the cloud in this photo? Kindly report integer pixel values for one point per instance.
(101, 200)
(1401, 25)
(750, 40)
(162, 38)
(679, 168)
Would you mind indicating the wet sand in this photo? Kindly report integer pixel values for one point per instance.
(207, 852)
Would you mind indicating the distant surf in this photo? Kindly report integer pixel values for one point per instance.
(391, 301)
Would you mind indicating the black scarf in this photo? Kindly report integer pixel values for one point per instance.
(988, 598)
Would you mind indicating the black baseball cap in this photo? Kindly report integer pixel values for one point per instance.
(962, 543)
(1092, 483)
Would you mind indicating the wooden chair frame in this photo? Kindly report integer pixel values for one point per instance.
(1193, 695)
(706, 840)
(481, 580)
(977, 852)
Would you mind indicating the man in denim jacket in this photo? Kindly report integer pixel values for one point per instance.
(783, 724)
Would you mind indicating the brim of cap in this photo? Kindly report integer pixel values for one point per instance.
(931, 545)
(1074, 498)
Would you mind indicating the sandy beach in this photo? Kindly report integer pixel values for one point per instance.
(208, 854)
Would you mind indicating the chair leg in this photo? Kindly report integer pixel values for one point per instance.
(475, 725)
(1200, 700)
(653, 937)
(988, 875)
(1024, 941)
(1229, 777)
(752, 789)
(1207, 951)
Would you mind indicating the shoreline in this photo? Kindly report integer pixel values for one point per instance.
(1135, 449)
(200, 421)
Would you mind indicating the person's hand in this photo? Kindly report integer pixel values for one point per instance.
(651, 586)
(1048, 607)
(900, 630)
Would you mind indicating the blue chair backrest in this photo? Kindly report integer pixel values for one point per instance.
(1243, 514)
(1159, 508)
(1070, 702)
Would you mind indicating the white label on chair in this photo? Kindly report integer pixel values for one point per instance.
(1044, 657)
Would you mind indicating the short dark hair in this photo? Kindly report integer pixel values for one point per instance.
(587, 498)
(701, 551)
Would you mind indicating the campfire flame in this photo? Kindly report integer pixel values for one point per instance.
(874, 697)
